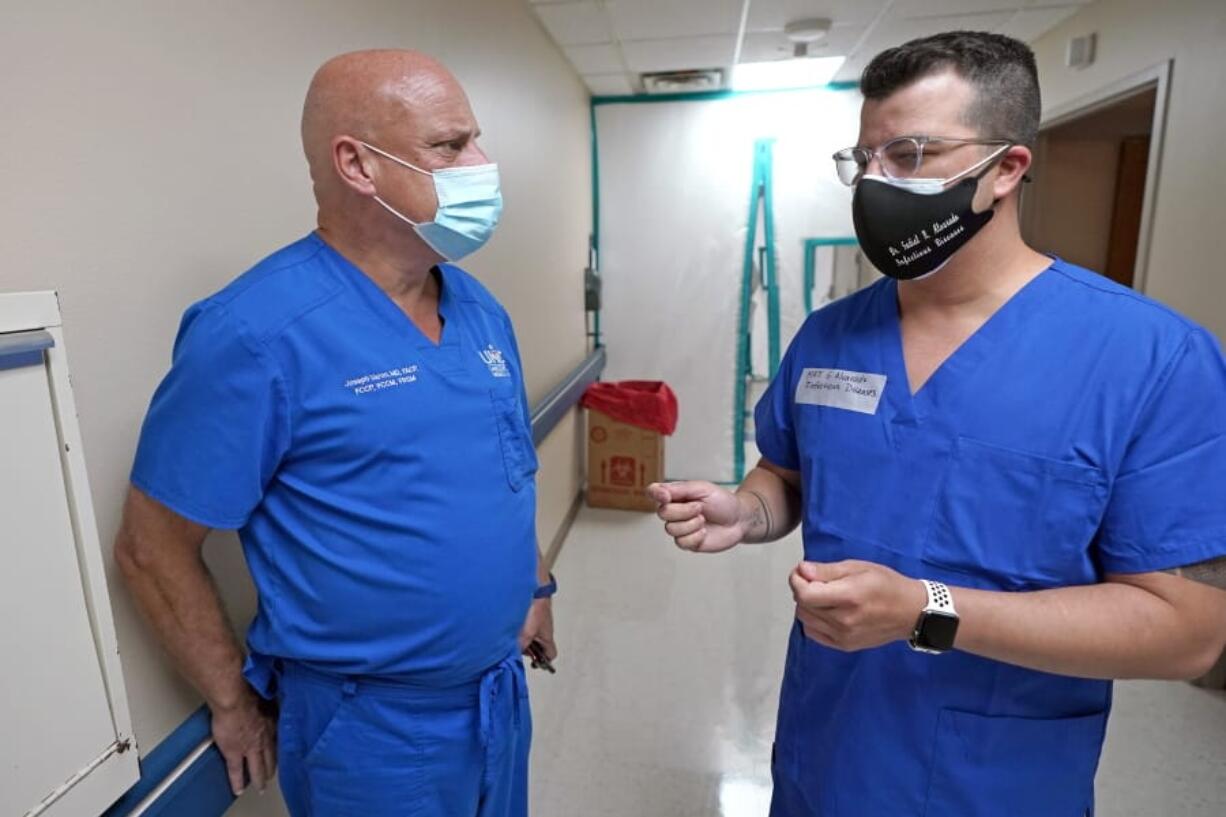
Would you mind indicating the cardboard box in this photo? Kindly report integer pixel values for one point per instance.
(622, 460)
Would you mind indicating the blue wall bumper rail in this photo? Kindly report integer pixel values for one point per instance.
(200, 788)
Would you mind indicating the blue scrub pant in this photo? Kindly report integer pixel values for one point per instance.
(368, 747)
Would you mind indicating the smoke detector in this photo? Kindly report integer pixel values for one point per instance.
(804, 33)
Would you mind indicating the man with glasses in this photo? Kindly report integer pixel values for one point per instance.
(999, 460)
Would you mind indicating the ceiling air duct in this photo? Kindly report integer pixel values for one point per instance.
(683, 82)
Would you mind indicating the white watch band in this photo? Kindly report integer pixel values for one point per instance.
(940, 600)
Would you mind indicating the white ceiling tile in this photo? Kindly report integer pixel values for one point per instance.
(895, 31)
(582, 23)
(608, 84)
(850, 71)
(658, 19)
(1031, 24)
(679, 54)
(773, 15)
(773, 45)
(949, 8)
(594, 59)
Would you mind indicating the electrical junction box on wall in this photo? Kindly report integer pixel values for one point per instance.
(1081, 51)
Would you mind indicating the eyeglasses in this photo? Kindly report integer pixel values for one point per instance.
(903, 158)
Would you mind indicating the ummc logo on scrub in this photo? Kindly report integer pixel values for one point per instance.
(492, 357)
(378, 381)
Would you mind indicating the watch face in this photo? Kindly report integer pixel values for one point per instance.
(937, 631)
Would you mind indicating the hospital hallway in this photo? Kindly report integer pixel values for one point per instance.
(664, 700)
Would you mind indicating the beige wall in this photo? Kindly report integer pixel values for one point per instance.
(150, 153)
(1185, 263)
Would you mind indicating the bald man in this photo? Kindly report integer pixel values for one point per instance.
(354, 407)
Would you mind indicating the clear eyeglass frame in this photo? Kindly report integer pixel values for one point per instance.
(901, 157)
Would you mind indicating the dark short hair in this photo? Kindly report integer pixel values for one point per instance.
(1000, 69)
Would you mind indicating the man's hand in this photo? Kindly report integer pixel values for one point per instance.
(247, 735)
(855, 605)
(538, 627)
(700, 516)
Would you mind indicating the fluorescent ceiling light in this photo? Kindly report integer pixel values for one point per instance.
(778, 74)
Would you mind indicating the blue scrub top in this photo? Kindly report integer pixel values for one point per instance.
(382, 486)
(1081, 431)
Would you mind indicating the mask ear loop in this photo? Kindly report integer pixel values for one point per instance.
(989, 162)
(384, 204)
(395, 159)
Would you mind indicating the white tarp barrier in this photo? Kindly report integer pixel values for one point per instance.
(674, 203)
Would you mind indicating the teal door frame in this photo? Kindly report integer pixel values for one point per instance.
(761, 202)
(810, 253)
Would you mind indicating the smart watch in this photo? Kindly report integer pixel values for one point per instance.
(938, 623)
(546, 590)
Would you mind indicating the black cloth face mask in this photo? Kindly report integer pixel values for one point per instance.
(908, 229)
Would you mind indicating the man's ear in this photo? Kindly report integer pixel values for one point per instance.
(1012, 170)
(350, 163)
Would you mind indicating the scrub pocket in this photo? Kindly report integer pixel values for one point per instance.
(322, 723)
(344, 754)
(1021, 520)
(518, 454)
(1014, 767)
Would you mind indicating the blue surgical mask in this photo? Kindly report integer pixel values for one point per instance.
(469, 204)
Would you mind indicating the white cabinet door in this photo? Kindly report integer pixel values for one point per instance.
(66, 746)
(57, 718)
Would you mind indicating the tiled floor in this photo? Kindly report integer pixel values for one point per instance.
(664, 701)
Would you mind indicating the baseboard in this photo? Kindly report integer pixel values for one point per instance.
(559, 538)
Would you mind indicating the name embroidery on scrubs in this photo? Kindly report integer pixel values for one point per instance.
(493, 358)
(836, 388)
(377, 381)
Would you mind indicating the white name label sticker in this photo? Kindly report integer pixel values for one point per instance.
(854, 391)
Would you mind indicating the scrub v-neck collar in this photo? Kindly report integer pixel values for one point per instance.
(946, 381)
(391, 313)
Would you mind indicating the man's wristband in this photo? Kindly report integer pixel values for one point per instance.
(546, 590)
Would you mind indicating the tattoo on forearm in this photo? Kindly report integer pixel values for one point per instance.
(761, 518)
(1211, 572)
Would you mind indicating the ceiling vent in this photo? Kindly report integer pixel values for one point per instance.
(681, 82)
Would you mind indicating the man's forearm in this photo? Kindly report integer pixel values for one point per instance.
(1108, 630)
(185, 611)
(174, 591)
(770, 507)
